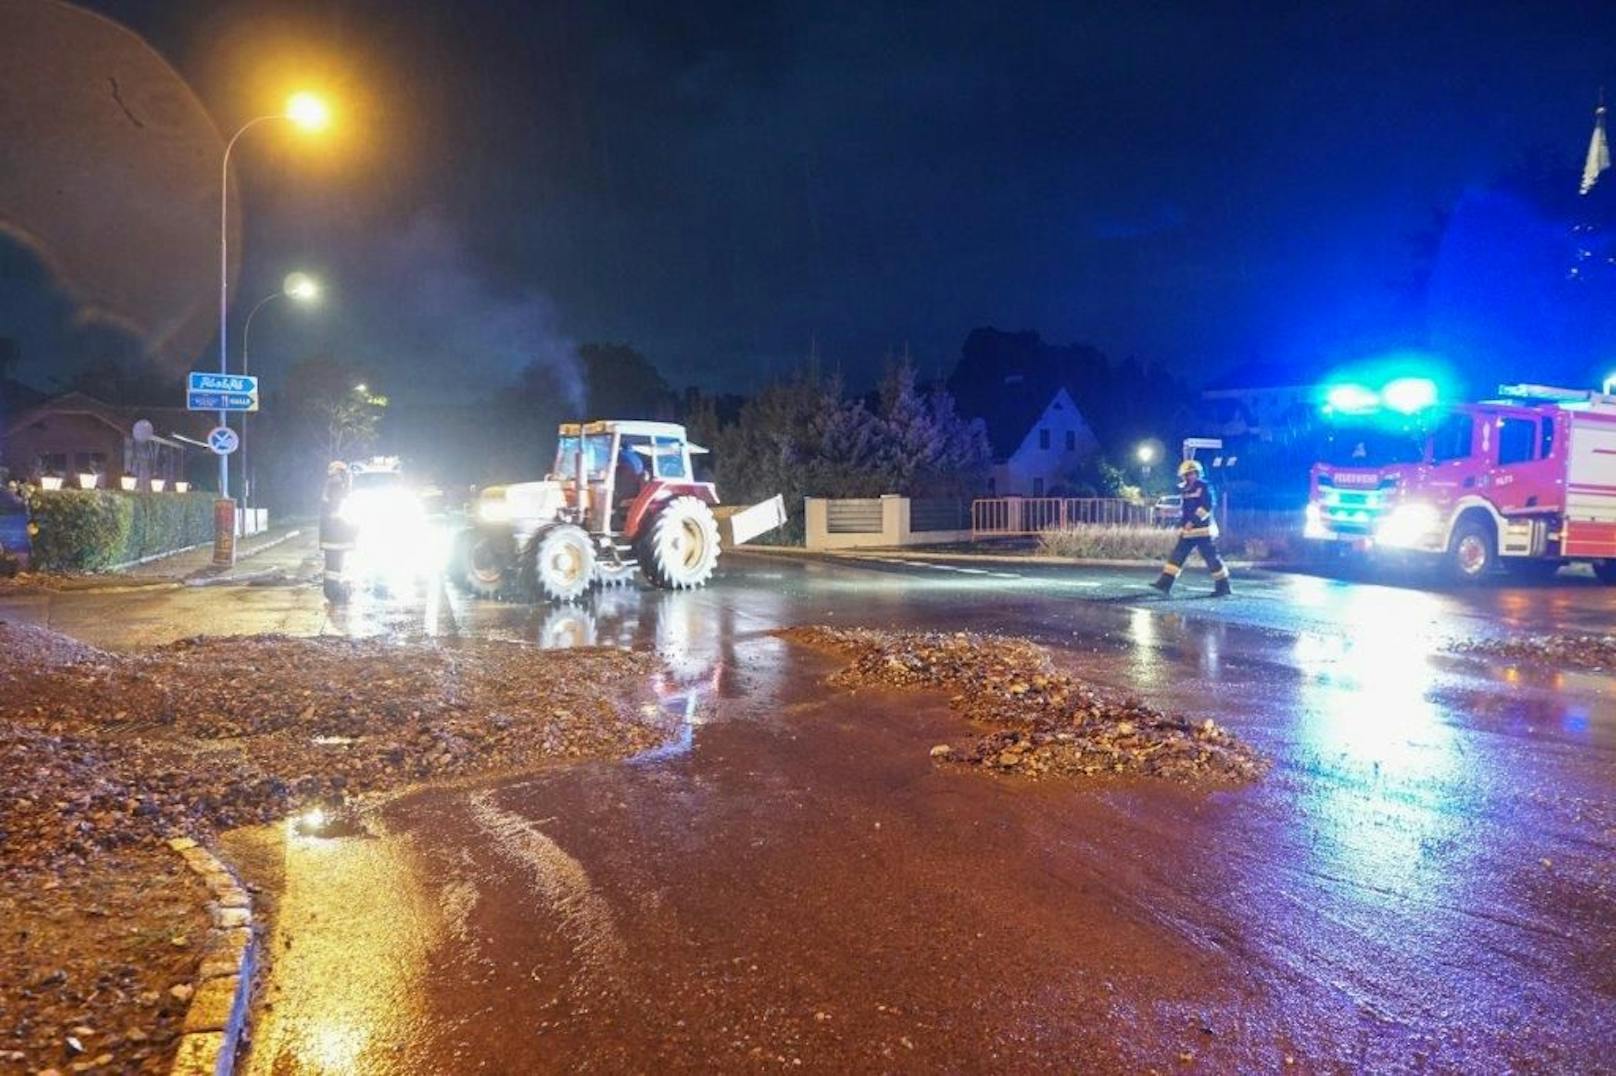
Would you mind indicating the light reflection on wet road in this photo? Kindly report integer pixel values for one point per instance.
(1424, 882)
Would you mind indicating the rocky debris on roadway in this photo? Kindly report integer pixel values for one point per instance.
(1042, 722)
(89, 960)
(1578, 651)
(103, 755)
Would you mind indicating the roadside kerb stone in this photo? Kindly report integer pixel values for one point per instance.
(217, 1015)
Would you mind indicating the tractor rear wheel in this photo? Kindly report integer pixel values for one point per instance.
(561, 562)
(679, 548)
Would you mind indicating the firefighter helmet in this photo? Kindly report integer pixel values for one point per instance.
(336, 467)
(1191, 468)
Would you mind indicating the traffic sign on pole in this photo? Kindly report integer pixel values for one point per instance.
(221, 392)
(223, 440)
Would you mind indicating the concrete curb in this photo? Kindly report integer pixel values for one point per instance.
(217, 1016)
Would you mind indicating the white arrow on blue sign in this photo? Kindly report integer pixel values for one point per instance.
(223, 440)
(220, 401)
(221, 392)
(204, 382)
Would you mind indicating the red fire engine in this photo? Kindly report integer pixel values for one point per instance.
(1526, 481)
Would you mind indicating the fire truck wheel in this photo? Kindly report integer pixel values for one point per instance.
(1605, 572)
(486, 563)
(1471, 552)
(679, 549)
(561, 563)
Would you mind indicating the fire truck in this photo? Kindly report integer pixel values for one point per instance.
(1526, 482)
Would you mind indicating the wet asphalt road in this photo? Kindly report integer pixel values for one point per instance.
(1426, 881)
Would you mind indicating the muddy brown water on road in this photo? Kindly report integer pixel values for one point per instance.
(796, 883)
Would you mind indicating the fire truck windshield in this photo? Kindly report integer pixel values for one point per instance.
(1371, 446)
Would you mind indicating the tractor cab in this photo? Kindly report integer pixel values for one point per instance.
(617, 464)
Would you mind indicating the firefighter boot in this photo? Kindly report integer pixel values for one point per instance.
(1163, 583)
(1220, 588)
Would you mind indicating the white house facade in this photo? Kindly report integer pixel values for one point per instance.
(1057, 443)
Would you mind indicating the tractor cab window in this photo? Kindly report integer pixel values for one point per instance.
(670, 457)
(597, 447)
(1451, 440)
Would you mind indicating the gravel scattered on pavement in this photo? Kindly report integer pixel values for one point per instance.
(1041, 722)
(1563, 650)
(103, 755)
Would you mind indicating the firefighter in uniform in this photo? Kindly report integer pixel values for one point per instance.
(1197, 531)
(336, 534)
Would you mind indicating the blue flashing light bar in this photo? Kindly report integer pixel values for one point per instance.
(1351, 399)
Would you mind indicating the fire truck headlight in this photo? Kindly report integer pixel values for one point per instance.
(1407, 525)
(1313, 522)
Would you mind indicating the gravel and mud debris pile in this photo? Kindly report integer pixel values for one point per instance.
(102, 755)
(1042, 722)
(1570, 651)
(101, 751)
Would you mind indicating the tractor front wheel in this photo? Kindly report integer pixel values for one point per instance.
(679, 548)
(484, 561)
(561, 562)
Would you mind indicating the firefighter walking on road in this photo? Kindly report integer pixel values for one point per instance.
(1197, 531)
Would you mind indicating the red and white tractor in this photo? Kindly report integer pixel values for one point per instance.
(622, 498)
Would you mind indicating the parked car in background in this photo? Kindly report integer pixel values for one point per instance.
(1167, 508)
(13, 532)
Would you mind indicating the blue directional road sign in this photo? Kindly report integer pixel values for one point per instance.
(223, 440)
(221, 392)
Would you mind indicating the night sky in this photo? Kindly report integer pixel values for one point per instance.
(721, 185)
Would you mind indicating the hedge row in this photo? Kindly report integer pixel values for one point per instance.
(90, 529)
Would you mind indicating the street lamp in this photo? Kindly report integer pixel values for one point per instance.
(1146, 455)
(304, 289)
(309, 113)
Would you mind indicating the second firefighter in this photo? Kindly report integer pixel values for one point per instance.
(1197, 530)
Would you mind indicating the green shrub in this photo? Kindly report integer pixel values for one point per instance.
(89, 530)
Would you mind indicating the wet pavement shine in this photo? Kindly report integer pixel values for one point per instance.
(1426, 881)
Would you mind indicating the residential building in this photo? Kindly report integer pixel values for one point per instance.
(1038, 443)
(1266, 401)
(75, 433)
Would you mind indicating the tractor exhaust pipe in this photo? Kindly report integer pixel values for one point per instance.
(581, 479)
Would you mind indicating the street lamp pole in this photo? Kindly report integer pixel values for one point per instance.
(224, 279)
(246, 339)
(308, 112)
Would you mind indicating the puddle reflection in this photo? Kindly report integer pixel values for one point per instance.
(1388, 797)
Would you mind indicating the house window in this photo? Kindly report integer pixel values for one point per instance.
(1038, 483)
(1071, 440)
(52, 463)
(1043, 439)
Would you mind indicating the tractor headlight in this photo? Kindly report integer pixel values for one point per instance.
(1407, 525)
